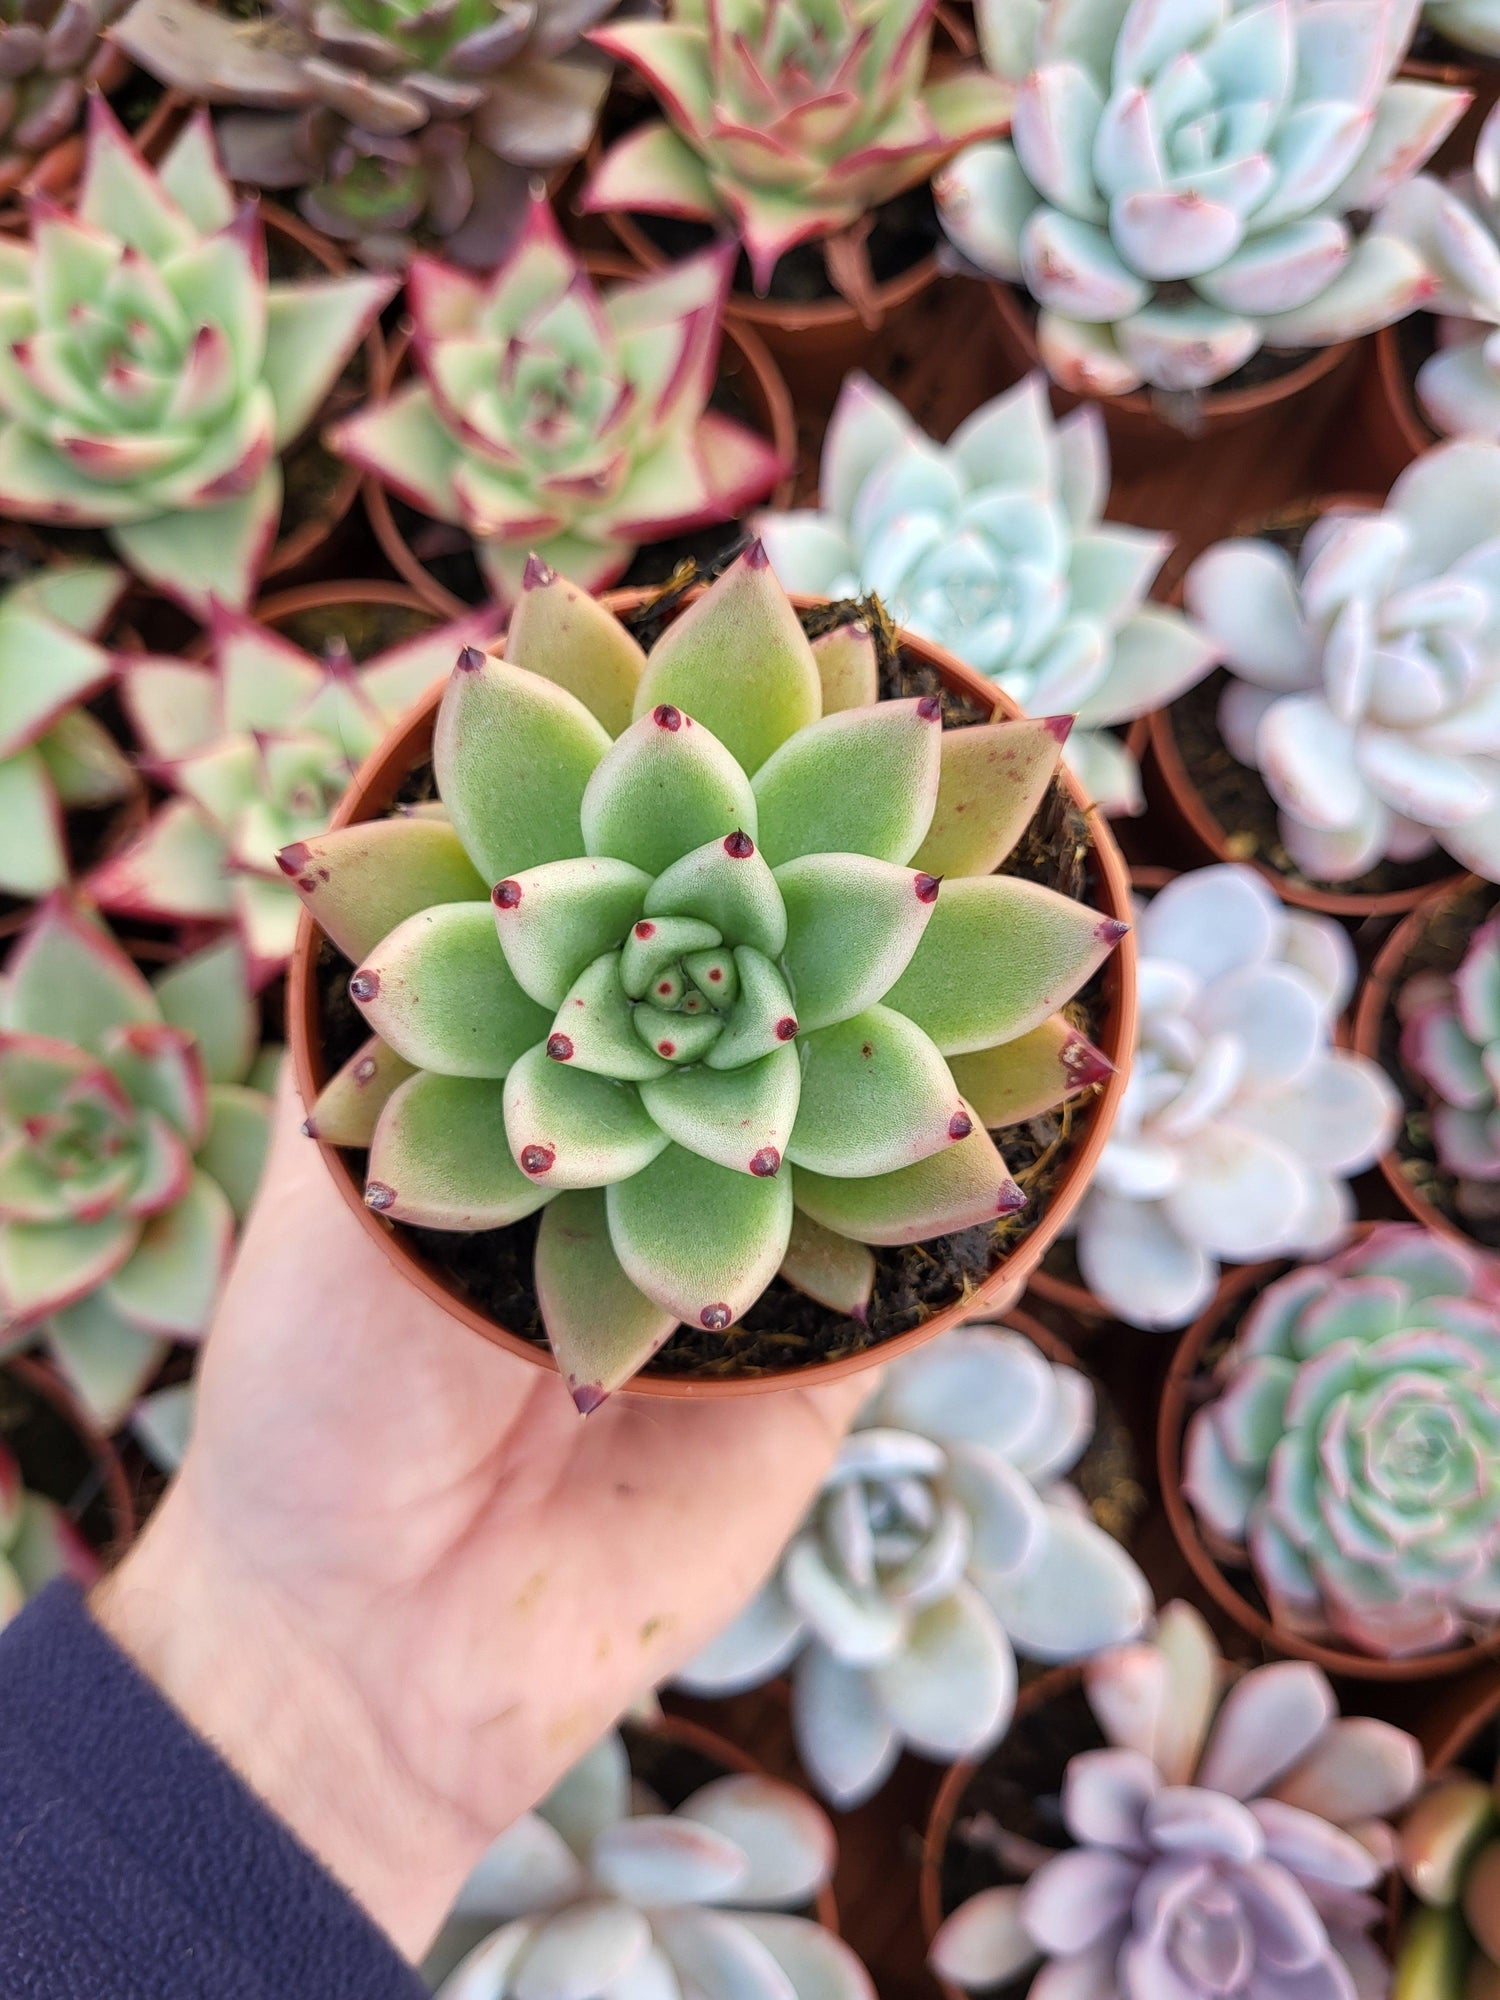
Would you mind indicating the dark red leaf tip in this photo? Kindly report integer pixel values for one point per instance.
(666, 1048)
(309, 1130)
(766, 1163)
(1083, 1064)
(537, 1159)
(537, 575)
(715, 1318)
(716, 973)
(560, 1048)
(470, 660)
(505, 895)
(930, 708)
(1059, 726)
(292, 860)
(960, 1125)
(666, 717)
(587, 1396)
(927, 887)
(378, 1195)
(643, 930)
(786, 1028)
(1109, 930)
(1010, 1198)
(738, 845)
(364, 986)
(755, 555)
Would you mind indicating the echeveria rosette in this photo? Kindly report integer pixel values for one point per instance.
(1227, 1842)
(38, 1542)
(1448, 1945)
(993, 546)
(707, 962)
(555, 419)
(1450, 1041)
(130, 1146)
(149, 373)
(1366, 673)
(1186, 181)
(52, 52)
(54, 756)
(258, 746)
(1352, 1447)
(944, 1541)
(600, 1893)
(789, 120)
(1241, 1122)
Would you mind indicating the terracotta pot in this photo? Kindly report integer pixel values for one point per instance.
(371, 793)
(741, 357)
(1375, 996)
(1180, 1397)
(1388, 430)
(40, 1381)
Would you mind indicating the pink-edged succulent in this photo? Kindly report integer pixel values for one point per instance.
(149, 373)
(1450, 1040)
(130, 1144)
(552, 416)
(1448, 1947)
(258, 746)
(682, 969)
(1226, 1841)
(788, 120)
(38, 1542)
(1352, 1448)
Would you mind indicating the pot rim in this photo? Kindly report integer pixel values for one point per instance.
(1399, 394)
(1233, 1294)
(42, 1380)
(376, 498)
(396, 749)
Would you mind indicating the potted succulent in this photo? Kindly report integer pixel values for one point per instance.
(153, 376)
(944, 1541)
(1172, 1825)
(1329, 1454)
(1448, 1847)
(1344, 750)
(809, 134)
(674, 957)
(548, 416)
(993, 547)
(52, 54)
(65, 1503)
(1157, 246)
(692, 1867)
(1456, 43)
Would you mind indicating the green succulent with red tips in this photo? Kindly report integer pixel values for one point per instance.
(130, 1145)
(705, 960)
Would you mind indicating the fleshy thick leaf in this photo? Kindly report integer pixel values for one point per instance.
(876, 1096)
(563, 634)
(350, 1103)
(862, 782)
(848, 668)
(570, 1129)
(171, 1281)
(595, 1027)
(1034, 1073)
(740, 1118)
(853, 924)
(439, 992)
(834, 1270)
(702, 1240)
(965, 1184)
(439, 1157)
(993, 778)
(601, 1329)
(69, 979)
(727, 883)
(362, 881)
(554, 921)
(666, 787)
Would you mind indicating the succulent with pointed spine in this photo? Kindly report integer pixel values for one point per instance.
(1450, 1040)
(789, 120)
(992, 545)
(149, 374)
(681, 968)
(554, 418)
(943, 1542)
(37, 1542)
(1227, 1841)
(1186, 180)
(1449, 1851)
(51, 54)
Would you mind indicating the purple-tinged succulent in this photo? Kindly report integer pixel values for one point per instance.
(1367, 672)
(1352, 1447)
(38, 1542)
(1241, 1123)
(51, 53)
(1188, 181)
(1449, 1851)
(599, 1894)
(259, 746)
(149, 374)
(1226, 1843)
(130, 1145)
(1450, 1039)
(788, 120)
(712, 938)
(552, 418)
(943, 1542)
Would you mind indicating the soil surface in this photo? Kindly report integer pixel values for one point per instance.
(55, 1460)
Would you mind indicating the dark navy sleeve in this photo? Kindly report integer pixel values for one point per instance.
(134, 1864)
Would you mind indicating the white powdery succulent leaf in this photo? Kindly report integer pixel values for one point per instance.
(942, 1544)
(992, 546)
(1240, 1121)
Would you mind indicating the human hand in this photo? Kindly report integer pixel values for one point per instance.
(400, 1583)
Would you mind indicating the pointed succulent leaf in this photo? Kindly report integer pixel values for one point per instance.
(69, 979)
(311, 331)
(438, 990)
(170, 1282)
(554, 921)
(666, 787)
(207, 997)
(726, 883)
(233, 1153)
(571, 1129)
(439, 1157)
(861, 782)
(105, 1360)
(44, 1267)
(852, 925)
(362, 881)
(991, 780)
(601, 1329)
(847, 668)
(763, 1018)
(654, 946)
(836, 1271)
(876, 1096)
(958, 1187)
(740, 1118)
(1035, 1072)
(349, 1105)
(702, 1240)
(563, 634)
(595, 1027)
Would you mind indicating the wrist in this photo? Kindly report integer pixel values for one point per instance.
(245, 1669)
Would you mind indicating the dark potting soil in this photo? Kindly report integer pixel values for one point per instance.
(311, 474)
(492, 1269)
(1416, 342)
(1439, 947)
(55, 1460)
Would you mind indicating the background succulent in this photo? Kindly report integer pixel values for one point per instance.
(1352, 1447)
(1366, 671)
(54, 756)
(992, 545)
(1226, 1842)
(942, 1543)
(1468, 24)
(598, 1896)
(37, 1542)
(1241, 1122)
(51, 53)
(593, 967)
(130, 1144)
(1450, 1039)
(1184, 185)
(1449, 1850)
(149, 375)
(258, 746)
(399, 121)
(550, 417)
(789, 119)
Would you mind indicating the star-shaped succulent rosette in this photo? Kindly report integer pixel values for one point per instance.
(706, 960)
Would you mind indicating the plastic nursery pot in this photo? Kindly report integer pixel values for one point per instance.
(374, 789)
(63, 1455)
(1196, 819)
(1375, 1029)
(1217, 1570)
(744, 365)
